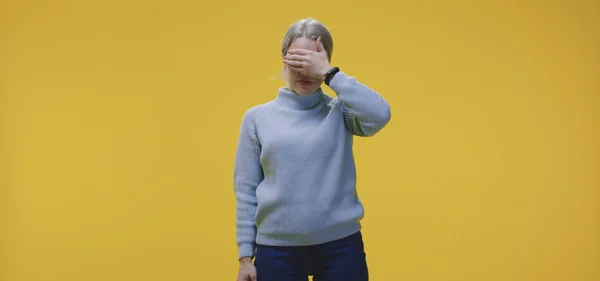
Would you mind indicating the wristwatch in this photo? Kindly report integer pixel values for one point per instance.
(330, 74)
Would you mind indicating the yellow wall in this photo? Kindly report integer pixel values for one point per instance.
(120, 119)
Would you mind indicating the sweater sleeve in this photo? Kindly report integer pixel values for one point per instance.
(366, 112)
(247, 176)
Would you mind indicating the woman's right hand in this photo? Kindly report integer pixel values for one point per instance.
(247, 270)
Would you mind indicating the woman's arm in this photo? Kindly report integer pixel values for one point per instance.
(365, 111)
(247, 176)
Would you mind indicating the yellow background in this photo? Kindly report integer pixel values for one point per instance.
(120, 120)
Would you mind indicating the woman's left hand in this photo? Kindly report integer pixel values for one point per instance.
(307, 62)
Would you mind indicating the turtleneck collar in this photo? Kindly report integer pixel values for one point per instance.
(296, 101)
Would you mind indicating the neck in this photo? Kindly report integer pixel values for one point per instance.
(289, 98)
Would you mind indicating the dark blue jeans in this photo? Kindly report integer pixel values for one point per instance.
(339, 260)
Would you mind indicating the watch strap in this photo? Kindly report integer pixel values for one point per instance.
(329, 75)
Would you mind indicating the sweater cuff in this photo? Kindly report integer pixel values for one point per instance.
(246, 250)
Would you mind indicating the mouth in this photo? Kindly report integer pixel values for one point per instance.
(305, 82)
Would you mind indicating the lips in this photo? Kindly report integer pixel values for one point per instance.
(304, 82)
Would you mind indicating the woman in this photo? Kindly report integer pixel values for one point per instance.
(298, 212)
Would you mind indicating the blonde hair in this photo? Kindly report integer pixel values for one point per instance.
(309, 28)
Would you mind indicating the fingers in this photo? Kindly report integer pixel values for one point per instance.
(294, 63)
(297, 69)
(296, 57)
(298, 52)
(247, 277)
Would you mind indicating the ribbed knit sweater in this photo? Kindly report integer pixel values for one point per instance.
(294, 171)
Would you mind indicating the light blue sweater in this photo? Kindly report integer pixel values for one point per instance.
(294, 171)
